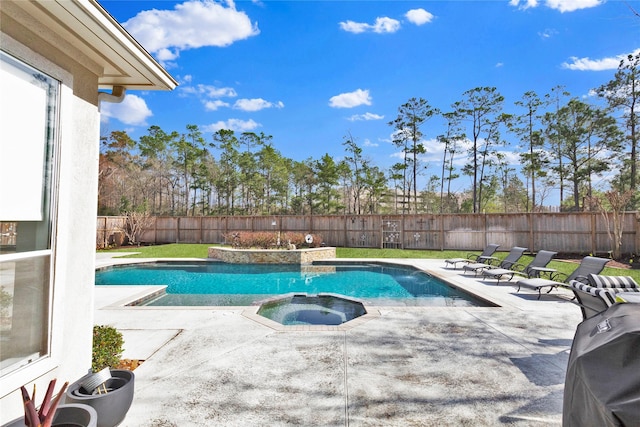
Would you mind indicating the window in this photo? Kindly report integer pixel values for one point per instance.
(28, 124)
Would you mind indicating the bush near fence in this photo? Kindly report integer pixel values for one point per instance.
(565, 232)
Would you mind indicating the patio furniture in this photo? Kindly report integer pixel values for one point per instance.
(588, 265)
(601, 292)
(602, 383)
(541, 259)
(512, 258)
(486, 255)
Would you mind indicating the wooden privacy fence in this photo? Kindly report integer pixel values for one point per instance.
(581, 232)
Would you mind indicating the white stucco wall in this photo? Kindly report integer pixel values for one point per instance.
(74, 245)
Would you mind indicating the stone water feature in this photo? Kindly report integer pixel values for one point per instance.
(271, 256)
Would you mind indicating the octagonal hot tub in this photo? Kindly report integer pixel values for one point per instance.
(320, 309)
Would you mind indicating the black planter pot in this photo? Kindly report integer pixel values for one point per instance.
(68, 415)
(75, 415)
(112, 406)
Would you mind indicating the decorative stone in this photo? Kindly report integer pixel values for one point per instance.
(271, 256)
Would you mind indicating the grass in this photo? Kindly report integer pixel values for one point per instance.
(180, 250)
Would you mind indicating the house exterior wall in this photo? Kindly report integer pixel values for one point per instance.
(73, 246)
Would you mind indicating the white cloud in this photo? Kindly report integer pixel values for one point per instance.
(499, 64)
(214, 104)
(190, 25)
(256, 104)
(354, 27)
(572, 5)
(382, 25)
(588, 64)
(547, 33)
(132, 110)
(351, 99)
(419, 16)
(236, 125)
(527, 3)
(209, 91)
(367, 143)
(559, 5)
(365, 116)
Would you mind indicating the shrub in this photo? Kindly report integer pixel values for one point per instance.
(269, 240)
(107, 347)
(247, 239)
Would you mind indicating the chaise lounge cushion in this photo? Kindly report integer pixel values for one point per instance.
(593, 300)
(599, 281)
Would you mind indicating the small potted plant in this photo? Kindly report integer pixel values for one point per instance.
(52, 414)
(109, 391)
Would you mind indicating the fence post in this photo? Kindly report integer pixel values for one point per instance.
(484, 226)
(346, 238)
(532, 234)
(636, 230)
(594, 241)
(104, 233)
(441, 231)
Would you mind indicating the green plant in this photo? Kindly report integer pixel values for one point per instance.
(43, 417)
(107, 347)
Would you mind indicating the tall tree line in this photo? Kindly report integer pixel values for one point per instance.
(564, 144)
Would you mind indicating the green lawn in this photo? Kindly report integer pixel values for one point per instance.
(179, 250)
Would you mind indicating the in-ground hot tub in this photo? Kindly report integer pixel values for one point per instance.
(320, 309)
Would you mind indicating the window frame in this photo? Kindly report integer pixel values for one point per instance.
(12, 376)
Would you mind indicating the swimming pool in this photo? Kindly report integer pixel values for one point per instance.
(197, 283)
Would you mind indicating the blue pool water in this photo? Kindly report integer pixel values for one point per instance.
(213, 283)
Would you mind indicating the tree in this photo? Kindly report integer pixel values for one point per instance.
(374, 184)
(227, 181)
(157, 155)
(482, 107)
(588, 136)
(408, 136)
(356, 165)
(115, 167)
(189, 149)
(304, 182)
(327, 195)
(612, 206)
(623, 94)
(273, 175)
(450, 141)
(136, 223)
(526, 126)
(398, 174)
(552, 137)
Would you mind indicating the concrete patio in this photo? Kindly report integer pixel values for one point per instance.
(409, 366)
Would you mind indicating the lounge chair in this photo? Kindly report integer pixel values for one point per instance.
(532, 269)
(509, 261)
(485, 256)
(588, 265)
(595, 299)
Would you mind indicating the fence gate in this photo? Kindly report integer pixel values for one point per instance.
(391, 234)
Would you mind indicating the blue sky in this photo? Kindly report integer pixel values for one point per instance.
(310, 73)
